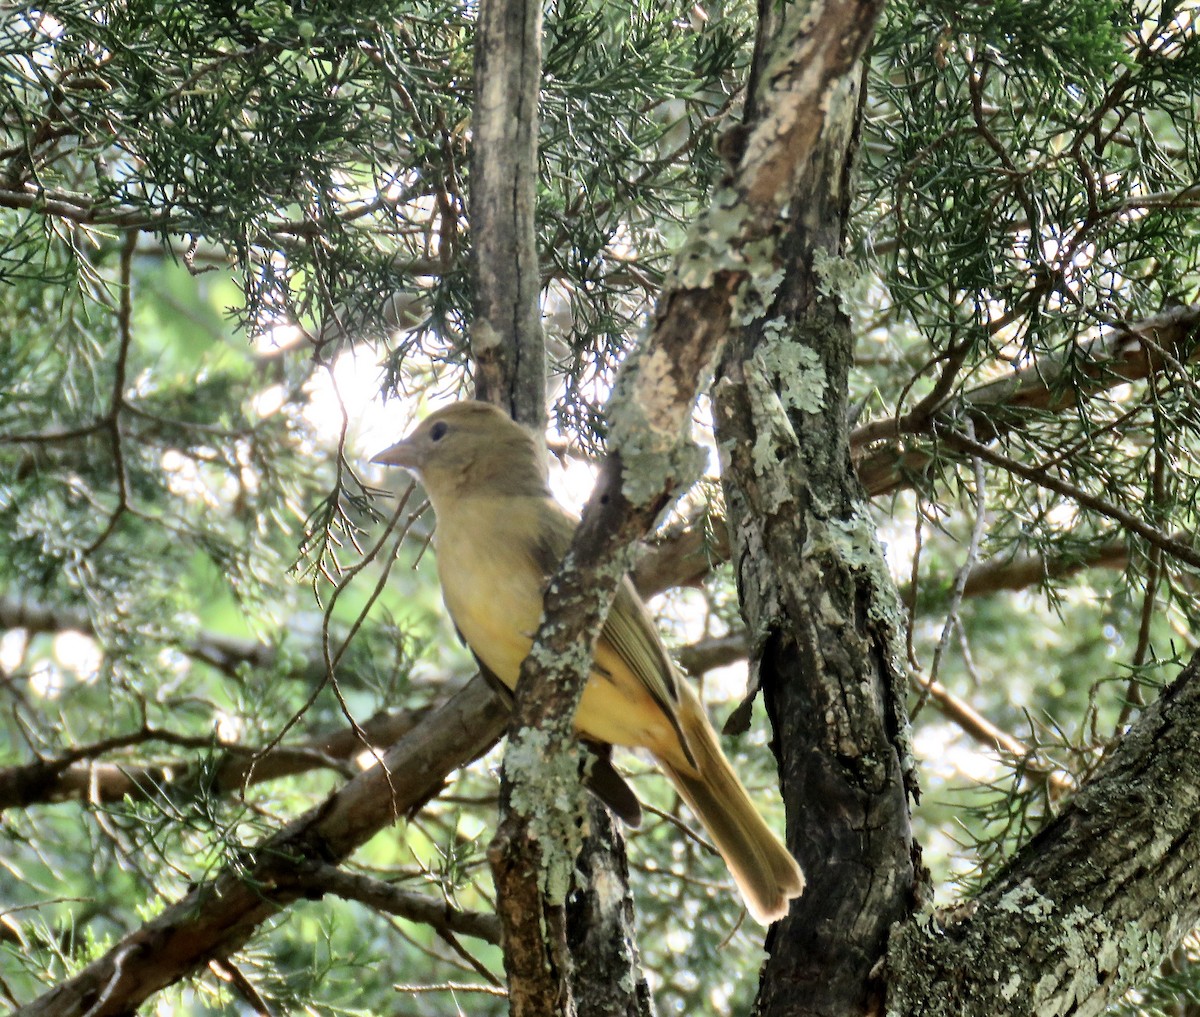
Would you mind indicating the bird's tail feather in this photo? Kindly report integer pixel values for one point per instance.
(765, 872)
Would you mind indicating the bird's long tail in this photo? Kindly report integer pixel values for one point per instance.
(765, 872)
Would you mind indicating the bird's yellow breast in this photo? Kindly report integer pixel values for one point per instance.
(491, 582)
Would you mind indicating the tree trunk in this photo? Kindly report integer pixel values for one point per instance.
(821, 611)
(506, 330)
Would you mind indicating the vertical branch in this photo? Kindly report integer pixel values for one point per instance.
(509, 356)
(826, 651)
(506, 344)
(506, 333)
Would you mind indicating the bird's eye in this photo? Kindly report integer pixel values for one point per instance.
(438, 431)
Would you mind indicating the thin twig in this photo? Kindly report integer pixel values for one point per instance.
(486, 990)
(1036, 475)
(113, 420)
(925, 684)
(969, 560)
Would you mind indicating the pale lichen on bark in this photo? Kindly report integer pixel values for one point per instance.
(855, 540)
(713, 245)
(841, 279)
(544, 771)
(795, 369)
(774, 437)
(650, 426)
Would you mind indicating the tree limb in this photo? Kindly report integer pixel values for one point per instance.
(682, 557)
(818, 598)
(1131, 352)
(415, 907)
(1091, 905)
(506, 332)
(220, 914)
(71, 777)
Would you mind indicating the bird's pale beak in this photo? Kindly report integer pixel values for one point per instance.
(403, 453)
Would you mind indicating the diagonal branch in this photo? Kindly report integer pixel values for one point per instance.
(1044, 478)
(415, 907)
(1131, 352)
(220, 914)
(1096, 900)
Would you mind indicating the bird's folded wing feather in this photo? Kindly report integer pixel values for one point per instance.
(629, 630)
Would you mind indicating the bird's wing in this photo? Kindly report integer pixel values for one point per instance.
(629, 630)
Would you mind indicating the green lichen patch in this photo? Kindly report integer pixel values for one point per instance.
(841, 279)
(713, 244)
(794, 368)
(1025, 900)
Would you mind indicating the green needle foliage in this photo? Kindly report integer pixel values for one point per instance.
(207, 209)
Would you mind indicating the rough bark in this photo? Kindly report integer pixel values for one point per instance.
(600, 925)
(1092, 905)
(220, 914)
(821, 613)
(506, 330)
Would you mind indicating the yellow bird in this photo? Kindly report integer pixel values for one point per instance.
(500, 536)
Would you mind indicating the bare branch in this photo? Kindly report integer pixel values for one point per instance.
(683, 557)
(414, 907)
(81, 775)
(719, 651)
(990, 736)
(1043, 478)
(1024, 571)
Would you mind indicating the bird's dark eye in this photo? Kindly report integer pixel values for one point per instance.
(438, 431)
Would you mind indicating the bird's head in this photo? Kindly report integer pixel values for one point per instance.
(470, 448)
